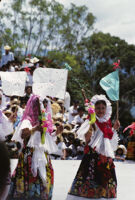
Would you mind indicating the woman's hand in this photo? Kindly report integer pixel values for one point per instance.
(25, 133)
(116, 125)
(38, 128)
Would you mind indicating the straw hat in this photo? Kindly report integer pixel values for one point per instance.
(58, 123)
(7, 112)
(68, 126)
(66, 131)
(14, 106)
(15, 101)
(60, 101)
(34, 60)
(7, 47)
(55, 108)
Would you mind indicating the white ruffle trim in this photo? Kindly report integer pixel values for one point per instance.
(39, 160)
(17, 135)
(108, 113)
(102, 145)
(83, 130)
(72, 197)
(49, 146)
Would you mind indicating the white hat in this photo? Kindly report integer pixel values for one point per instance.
(121, 146)
(7, 47)
(34, 60)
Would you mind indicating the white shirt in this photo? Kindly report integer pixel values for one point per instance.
(61, 146)
(29, 80)
(78, 120)
(6, 127)
(102, 145)
(6, 57)
(71, 111)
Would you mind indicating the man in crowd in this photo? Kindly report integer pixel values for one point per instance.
(73, 111)
(7, 56)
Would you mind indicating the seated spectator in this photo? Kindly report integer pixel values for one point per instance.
(121, 152)
(68, 154)
(73, 111)
(78, 120)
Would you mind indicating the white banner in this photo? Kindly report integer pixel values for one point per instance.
(50, 82)
(13, 83)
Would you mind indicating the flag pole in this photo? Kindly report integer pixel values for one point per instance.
(83, 94)
(117, 110)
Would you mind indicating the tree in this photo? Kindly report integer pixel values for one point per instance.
(37, 25)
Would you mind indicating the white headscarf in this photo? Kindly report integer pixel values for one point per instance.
(108, 113)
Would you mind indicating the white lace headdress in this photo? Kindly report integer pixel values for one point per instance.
(108, 113)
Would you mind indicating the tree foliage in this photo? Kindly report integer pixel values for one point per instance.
(59, 35)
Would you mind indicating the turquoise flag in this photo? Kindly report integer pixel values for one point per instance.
(67, 66)
(110, 84)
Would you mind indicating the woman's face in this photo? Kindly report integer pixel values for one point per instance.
(100, 110)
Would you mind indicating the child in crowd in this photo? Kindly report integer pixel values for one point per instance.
(121, 152)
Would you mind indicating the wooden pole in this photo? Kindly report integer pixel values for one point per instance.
(84, 95)
(117, 110)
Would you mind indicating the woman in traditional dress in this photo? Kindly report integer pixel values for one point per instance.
(96, 175)
(33, 177)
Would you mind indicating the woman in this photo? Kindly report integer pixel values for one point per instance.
(96, 175)
(33, 178)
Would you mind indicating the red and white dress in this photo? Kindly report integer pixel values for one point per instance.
(96, 176)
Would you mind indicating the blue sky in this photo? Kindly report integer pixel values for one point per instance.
(116, 17)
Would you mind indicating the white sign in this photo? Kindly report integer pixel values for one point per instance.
(50, 82)
(13, 83)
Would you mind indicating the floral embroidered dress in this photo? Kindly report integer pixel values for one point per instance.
(96, 177)
(33, 177)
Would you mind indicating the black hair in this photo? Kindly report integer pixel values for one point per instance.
(45, 101)
(122, 152)
(4, 166)
(100, 102)
(76, 102)
(80, 109)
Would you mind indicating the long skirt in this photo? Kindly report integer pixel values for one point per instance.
(95, 178)
(24, 186)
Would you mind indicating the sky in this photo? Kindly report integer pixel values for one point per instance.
(116, 17)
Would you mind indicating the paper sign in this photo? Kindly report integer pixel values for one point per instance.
(13, 83)
(50, 82)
